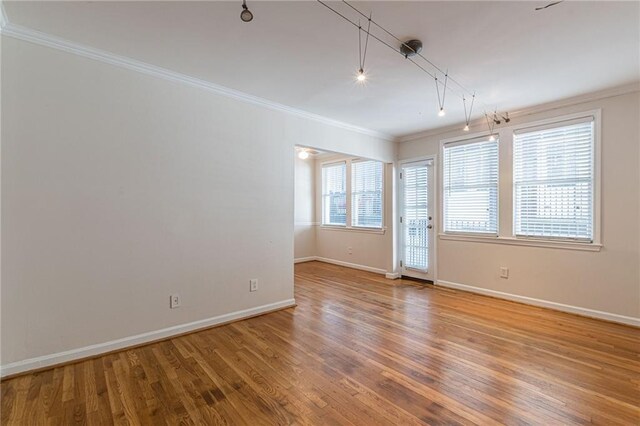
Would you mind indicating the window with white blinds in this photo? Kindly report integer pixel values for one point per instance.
(366, 194)
(553, 178)
(470, 187)
(334, 194)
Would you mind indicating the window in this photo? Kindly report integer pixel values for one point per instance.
(470, 179)
(366, 194)
(334, 194)
(553, 181)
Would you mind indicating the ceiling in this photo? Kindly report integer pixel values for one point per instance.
(299, 54)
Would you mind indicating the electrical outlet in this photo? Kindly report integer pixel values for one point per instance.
(504, 272)
(174, 301)
(253, 284)
(350, 250)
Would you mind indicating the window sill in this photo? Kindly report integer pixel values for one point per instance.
(353, 229)
(567, 245)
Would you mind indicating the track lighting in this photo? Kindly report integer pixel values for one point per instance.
(467, 114)
(362, 56)
(246, 14)
(441, 113)
(303, 154)
(411, 51)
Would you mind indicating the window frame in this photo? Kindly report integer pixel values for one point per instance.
(346, 193)
(550, 126)
(474, 138)
(351, 193)
(349, 227)
(506, 200)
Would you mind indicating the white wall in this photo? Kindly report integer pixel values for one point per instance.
(305, 215)
(119, 188)
(369, 249)
(608, 280)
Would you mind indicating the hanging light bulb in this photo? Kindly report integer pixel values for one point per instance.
(303, 154)
(246, 14)
(492, 138)
(441, 112)
(361, 77)
(466, 128)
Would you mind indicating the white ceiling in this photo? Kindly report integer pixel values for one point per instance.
(299, 54)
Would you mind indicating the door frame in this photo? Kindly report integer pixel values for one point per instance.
(434, 210)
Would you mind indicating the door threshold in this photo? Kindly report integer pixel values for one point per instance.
(420, 280)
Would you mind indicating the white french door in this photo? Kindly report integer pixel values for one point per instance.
(416, 219)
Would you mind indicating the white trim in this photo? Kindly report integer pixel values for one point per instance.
(596, 115)
(301, 223)
(118, 344)
(550, 106)
(304, 259)
(353, 229)
(568, 245)
(431, 274)
(352, 265)
(622, 319)
(27, 34)
(392, 275)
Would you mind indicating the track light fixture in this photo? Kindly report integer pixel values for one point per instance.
(441, 113)
(411, 51)
(467, 115)
(491, 124)
(362, 56)
(246, 14)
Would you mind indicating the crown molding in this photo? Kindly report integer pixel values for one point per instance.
(37, 37)
(549, 106)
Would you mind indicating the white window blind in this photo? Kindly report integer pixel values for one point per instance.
(553, 173)
(471, 187)
(334, 194)
(366, 194)
(416, 216)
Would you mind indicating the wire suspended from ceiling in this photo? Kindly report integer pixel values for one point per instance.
(444, 82)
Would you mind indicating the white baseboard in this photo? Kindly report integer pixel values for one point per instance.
(113, 345)
(351, 265)
(389, 275)
(544, 303)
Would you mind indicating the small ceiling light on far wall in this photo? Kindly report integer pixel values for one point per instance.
(441, 113)
(246, 14)
(361, 77)
(303, 154)
(492, 138)
(465, 128)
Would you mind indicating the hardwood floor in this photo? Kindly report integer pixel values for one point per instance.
(358, 349)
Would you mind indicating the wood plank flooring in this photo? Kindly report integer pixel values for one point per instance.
(358, 349)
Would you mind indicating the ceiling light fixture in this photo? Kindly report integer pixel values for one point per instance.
(441, 113)
(246, 14)
(362, 56)
(303, 154)
(491, 124)
(467, 117)
(409, 49)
